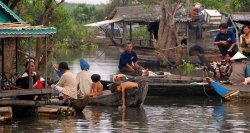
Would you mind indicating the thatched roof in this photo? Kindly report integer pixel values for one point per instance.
(142, 14)
(241, 16)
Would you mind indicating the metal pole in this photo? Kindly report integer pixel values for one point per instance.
(46, 54)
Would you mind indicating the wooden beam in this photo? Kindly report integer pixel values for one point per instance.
(10, 102)
(8, 93)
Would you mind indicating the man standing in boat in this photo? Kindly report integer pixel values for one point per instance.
(225, 40)
(128, 61)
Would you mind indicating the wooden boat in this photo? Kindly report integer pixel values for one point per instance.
(134, 97)
(231, 92)
(176, 85)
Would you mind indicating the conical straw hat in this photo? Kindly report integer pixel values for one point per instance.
(238, 55)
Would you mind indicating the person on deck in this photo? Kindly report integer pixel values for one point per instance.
(96, 87)
(128, 61)
(29, 76)
(245, 40)
(67, 85)
(23, 81)
(83, 78)
(238, 74)
(225, 40)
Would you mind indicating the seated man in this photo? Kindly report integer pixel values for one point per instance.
(67, 85)
(96, 87)
(128, 61)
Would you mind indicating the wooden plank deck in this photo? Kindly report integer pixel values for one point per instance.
(9, 93)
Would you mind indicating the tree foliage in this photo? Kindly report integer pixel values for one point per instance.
(228, 6)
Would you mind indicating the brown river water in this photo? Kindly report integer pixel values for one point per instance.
(158, 114)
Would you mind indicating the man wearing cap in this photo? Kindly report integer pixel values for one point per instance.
(225, 40)
(67, 84)
(238, 73)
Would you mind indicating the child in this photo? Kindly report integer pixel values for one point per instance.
(96, 87)
(122, 87)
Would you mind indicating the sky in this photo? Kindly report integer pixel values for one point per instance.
(88, 1)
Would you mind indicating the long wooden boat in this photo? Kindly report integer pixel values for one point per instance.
(231, 92)
(134, 97)
(176, 85)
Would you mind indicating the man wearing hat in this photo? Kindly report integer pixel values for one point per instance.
(238, 74)
(67, 84)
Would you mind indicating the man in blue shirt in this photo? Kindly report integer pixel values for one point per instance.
(128, 60)
(225, 40)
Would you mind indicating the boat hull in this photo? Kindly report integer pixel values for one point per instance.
(134, 97)
(231, 92)
(178, 87)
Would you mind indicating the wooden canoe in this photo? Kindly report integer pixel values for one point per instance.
(134, 97)
(176, 85)
(231, 92)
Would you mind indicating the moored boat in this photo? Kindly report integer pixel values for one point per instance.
(231, 92)
(177, 85)
(134, 97)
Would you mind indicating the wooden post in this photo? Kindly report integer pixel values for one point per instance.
(2, 81)
(130, 31)
(17, 43)
(30, 78)
(46, 58)
(124, 31)
(2, 41)
(112, 30)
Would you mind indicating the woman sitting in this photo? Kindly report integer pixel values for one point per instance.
(23, 81)
(67, 85)
(238, 74)
(96, 87)
(245, 40)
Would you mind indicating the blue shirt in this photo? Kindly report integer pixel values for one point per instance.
(126, 58)
(229, 37)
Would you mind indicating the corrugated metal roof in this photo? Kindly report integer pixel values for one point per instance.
(16, 30)
(241, 16)
(100, 23)
(140, 14)
(11, 13)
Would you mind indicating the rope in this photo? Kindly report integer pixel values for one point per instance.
(204, 88)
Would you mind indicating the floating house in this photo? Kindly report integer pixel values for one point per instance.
(130, 16)
(12, 29)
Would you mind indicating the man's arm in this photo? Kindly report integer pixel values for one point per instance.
(232, 46)
(130, 67)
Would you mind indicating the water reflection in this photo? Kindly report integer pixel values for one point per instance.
(157, 115)
(103, 61)
(112, 119)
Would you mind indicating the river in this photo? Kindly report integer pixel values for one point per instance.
(158, 114)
